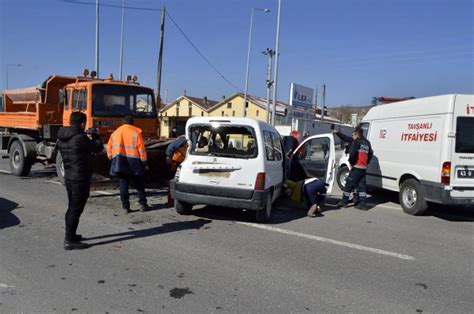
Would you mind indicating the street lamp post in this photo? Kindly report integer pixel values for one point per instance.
(121, 40)
(11, 65)
(248, 57)
(277, 53)
(97, 37)
(269, 52)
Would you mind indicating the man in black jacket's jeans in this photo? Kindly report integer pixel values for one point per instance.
(77, 151)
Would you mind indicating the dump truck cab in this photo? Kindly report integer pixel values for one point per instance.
(106, 102)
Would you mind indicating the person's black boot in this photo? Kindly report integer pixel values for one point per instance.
(144, 208)
(364, 207)
(342, 204)
(78, 238)
(69, 245)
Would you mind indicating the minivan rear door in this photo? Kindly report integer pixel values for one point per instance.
(315, 158)
(462, 160)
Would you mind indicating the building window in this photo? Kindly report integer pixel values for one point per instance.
(190, 111)
(166, 114)
(177, 111)
(257, 112)
(229, 105)
(222, 113)
(202, 113)
(233, 113)
(246, 104)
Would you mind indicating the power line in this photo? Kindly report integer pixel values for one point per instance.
(201, 54)
(110, 5)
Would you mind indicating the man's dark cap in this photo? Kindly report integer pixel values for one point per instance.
(128, 119)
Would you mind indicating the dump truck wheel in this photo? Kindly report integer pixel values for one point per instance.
(19, 164)
(263, 215)
(182, 208)
(60, 167)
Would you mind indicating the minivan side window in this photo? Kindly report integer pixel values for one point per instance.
(267, 140)
(278, 150)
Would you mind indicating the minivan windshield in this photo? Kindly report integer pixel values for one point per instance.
(220, 140)
(121, 100)
(464, 135)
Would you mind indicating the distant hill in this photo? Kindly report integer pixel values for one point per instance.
(344, 112)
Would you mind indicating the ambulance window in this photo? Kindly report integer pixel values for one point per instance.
(365, 128)
(464, 132)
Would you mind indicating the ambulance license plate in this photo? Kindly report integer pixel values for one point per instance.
(466, 174)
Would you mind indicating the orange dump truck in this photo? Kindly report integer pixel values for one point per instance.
(30, 118)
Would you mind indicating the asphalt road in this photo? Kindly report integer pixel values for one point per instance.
(218, 260)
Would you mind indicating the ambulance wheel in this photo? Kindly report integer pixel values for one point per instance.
(411, 198)
(60, 168)
(341, 176)
(263, 215)
(20, 165)
(182, 208)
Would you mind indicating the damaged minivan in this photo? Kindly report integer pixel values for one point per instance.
(240, 163)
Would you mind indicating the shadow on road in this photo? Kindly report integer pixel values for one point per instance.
(445, 212)
(7, 219)
(136, 234)
(284, 210)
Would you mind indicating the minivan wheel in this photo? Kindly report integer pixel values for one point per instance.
(263, 215)
(341, 176)
(182, 208)
(411, 198)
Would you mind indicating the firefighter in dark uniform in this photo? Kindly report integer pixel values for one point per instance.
(77, 151)
(359, 158)
(348, 140)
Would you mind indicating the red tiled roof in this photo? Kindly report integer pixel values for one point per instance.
(201, 102)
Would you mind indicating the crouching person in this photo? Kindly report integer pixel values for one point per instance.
(311, 191)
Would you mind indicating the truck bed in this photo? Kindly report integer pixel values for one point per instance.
(19, 120)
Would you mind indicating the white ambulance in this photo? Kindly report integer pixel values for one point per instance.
(423, 149)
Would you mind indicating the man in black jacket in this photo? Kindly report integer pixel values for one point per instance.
(77, 151)
(359, 157)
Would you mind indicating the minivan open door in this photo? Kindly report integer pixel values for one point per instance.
(315, 157)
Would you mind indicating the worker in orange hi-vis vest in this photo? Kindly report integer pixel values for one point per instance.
(127, 151)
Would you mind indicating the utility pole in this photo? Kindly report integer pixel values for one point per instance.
(315, 101)
(97, 38)
(324, 102)
(121, 40)
(269, 83)
(277, 53)
(160, 57)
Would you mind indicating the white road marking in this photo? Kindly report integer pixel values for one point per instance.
(341, 243)
(104, 193)
(4, 171)
(54, 182)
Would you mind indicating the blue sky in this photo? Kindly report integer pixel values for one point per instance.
(359, 48)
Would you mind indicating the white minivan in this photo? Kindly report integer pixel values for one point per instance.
(423, 149)
(240, 163)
